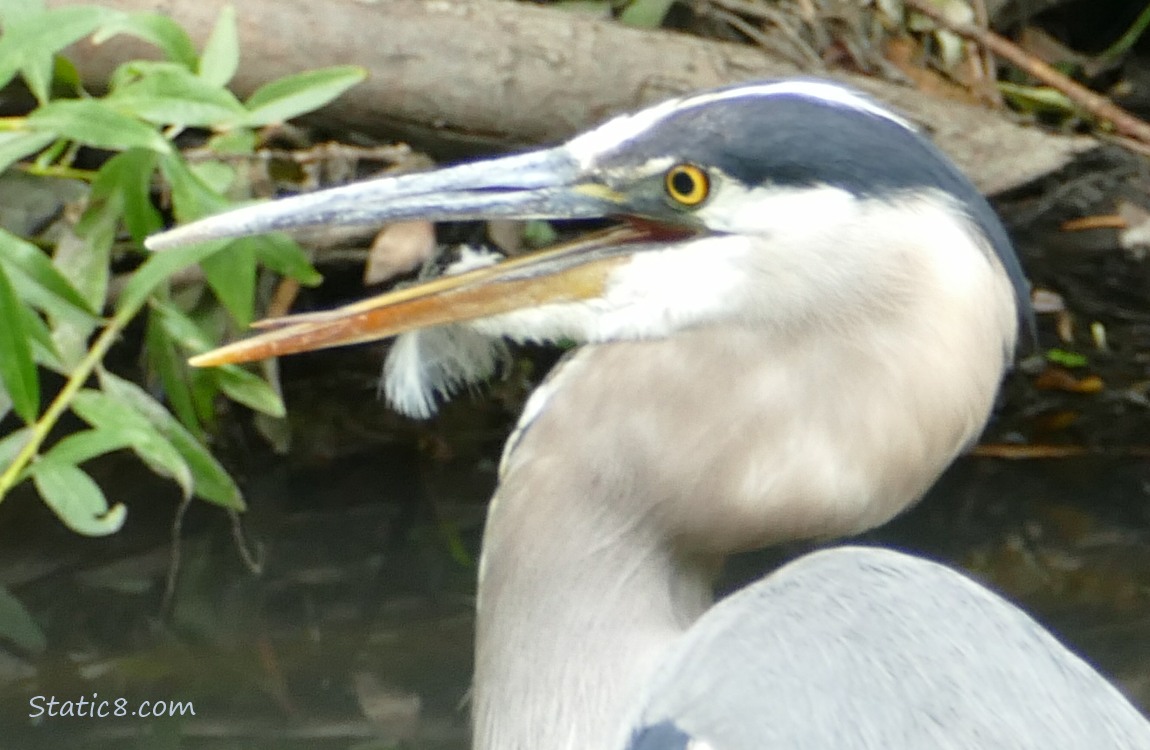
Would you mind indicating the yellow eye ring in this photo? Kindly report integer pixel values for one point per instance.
(687, 184)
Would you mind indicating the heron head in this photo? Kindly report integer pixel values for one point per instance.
(782, 204)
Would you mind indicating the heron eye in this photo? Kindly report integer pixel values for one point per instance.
(687, 184)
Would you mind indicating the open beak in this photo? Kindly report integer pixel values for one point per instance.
(547, 184)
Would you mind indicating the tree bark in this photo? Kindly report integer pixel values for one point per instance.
(486, 75)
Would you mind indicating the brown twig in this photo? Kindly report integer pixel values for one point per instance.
(1015, 452)
(1101, 221)
(988, 64)
(731, 11)
(1096, 105)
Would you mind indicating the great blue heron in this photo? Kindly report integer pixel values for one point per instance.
(803, 319)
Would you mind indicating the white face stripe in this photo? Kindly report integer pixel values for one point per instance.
(618, 131)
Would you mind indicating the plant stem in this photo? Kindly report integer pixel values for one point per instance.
(1127, 40)
(55, 170)
(60, 404)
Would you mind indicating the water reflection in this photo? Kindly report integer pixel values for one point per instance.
(357, 631)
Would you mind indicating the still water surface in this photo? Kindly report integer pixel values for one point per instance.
(356, 633)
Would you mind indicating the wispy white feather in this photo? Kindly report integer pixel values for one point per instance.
(432, 364)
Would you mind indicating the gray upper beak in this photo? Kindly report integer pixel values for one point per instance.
(540, 184)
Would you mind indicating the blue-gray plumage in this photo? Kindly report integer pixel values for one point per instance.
(870, 649)
(804, 319)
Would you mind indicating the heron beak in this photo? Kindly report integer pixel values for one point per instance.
(547, 184)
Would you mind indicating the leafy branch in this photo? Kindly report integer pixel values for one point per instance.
(52, 305)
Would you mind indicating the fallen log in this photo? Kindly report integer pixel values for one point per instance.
(486, 75)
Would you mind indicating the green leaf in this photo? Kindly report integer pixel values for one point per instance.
(17, 368)
(221, 55)
(12, 11)
(164, 362)
(5, 409)
(250, 390)
(44, 350)
(119, 419)
(538, 233)
(646, 14)
(37, 74)
(127, 178)
(1037, 99)
(237, 383)
(103, 411)
(35, 37)
(86, 256)
(283, 255)
(85, 445)
(232, 277)
(237, 141)
(1066, 358)
(29, 260)
(174, 95)
(12, 444)
(211, 480)
(160, 267)
(205, 392)
(294, 95)
(180, 328)
(39, 298)
(66, 75)
(17, 146)
(76, 499)
(95, 123)
(85, 261)
(191, 196)
(43, 70)
(39, 284)
(217, 176)
(157, 29)
(131, 71)
(18, 626)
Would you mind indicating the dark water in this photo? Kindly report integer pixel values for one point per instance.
(356, 632)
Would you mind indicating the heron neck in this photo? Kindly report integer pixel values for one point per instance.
(577, 602)
(643, 463)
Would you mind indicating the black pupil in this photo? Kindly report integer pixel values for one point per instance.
(683, 183)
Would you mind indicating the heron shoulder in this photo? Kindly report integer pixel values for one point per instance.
(859, 647)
